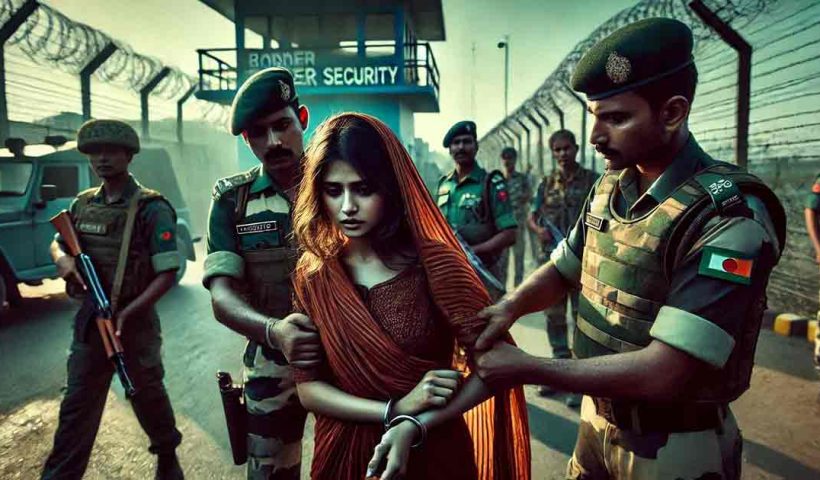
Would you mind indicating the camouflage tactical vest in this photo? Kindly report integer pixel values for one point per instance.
(626, 269)
(101, 228)
(267, 271)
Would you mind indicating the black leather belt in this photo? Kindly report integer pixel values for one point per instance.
(667, 417)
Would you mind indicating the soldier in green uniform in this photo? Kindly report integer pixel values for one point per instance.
(520, 190)
(555, 210)
(813, 229)
(100, 217)
(672, 253)
(476, 203)
(247, 270)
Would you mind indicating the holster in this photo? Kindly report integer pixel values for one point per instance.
(236, 416)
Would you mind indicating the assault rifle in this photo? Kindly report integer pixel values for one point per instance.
(486, 276)
(113, 348)
(556, 234)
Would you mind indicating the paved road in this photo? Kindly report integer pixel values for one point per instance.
(779, 415)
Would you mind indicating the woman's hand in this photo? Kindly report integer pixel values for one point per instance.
(395, 450)
(433, 391)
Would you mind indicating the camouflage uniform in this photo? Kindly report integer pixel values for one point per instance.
(685, 263)
(249, 232)
(464, 207)
(100, 227)
(559, 200)
(813, 203)
(518, 184)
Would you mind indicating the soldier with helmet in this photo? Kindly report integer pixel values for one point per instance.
(129, 231)
(251, 256)
(672, 252)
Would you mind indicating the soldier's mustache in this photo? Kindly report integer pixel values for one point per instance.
(277, 153)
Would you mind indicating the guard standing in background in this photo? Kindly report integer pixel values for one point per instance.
(518, 184)
(129, 232)
(476, 203)
(555, 210)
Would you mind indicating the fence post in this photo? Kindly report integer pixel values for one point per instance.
(144, 92)
(85, 76)
(744, 76)
(527, 133)
(540, 147)
(546, 121)
(17, 19)
(583, 143)
(180, 102)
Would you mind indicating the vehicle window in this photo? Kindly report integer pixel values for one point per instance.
(14, 177)
(64, 177)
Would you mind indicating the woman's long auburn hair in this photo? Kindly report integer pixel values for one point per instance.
(346, 137)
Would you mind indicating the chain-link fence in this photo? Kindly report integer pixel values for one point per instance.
(784, 115)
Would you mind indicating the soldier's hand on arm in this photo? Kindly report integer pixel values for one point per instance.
(296, 336)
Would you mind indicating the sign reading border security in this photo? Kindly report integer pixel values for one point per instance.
(325, 68)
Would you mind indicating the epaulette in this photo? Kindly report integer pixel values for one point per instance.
(88, 192)
(224, 185)
(149, 194)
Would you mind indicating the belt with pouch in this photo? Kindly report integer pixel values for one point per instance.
(666, 417)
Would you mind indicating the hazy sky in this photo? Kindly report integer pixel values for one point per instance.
(541, 32)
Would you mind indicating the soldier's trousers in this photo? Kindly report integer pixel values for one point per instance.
(557, 331)
(89, 377)
(518, 252)
(603, 451)
(276, 419)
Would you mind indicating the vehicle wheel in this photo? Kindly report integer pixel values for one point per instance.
(183, 259)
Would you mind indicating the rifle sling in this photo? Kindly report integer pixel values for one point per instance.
(122, 261)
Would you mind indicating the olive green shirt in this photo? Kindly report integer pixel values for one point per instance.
(266, 223)
(702, 315)
(155, 223)
(460, 202)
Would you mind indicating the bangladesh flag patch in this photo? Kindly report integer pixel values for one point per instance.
(726, 264)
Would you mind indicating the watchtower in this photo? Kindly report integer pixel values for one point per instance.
(345, 55)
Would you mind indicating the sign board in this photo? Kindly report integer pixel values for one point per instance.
(325, 67)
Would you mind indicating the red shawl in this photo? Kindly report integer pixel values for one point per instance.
(367, 363)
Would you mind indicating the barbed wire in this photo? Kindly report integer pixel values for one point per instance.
(49, 38)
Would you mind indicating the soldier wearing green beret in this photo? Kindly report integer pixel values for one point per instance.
(250, 259)
(476, 203)
(811, 210)
(129, 232)
(672, 253)
(518, 185)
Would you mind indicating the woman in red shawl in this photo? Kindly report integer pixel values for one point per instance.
(395, 303)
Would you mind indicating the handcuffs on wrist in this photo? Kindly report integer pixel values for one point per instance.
(415, 421)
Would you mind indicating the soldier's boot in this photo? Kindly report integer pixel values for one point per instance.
(168, 467)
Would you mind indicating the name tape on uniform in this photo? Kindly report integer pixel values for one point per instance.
(258, 227)
(596, 223)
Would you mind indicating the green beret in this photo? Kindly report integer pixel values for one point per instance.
(94, 133)
(509, 152)
(464, 127)
(263, 93)
(633, 56)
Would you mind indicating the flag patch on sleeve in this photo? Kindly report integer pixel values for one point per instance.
(727, 265)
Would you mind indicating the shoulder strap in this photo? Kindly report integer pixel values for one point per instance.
(241, 201)
(486, 209)
(130, 219)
